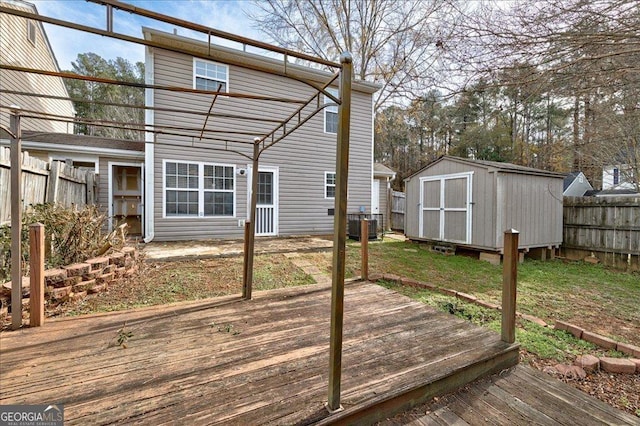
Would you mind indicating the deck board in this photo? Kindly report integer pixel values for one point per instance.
(182, 364)
(519, 396)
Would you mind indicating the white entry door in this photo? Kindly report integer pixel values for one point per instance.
(446, 207)
(267, 202)
(375, 196)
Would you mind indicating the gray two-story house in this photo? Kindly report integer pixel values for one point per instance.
(200, 189)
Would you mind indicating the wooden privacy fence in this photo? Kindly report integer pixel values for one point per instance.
(608, 227)
(45, 183)
(397, 210)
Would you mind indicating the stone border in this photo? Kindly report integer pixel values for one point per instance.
(74, 282)
(608, 364)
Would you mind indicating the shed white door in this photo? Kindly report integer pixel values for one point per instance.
(267, 202)
(445, 207)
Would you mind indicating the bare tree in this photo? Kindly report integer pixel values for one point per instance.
(393, 43)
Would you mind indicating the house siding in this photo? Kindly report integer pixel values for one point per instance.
(383, 196)
(531, 204)
(302, 158)
(17, 50)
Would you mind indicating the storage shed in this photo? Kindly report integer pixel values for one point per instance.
(472, 202)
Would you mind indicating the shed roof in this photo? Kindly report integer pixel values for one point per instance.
(493, 166)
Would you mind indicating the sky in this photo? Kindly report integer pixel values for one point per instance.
(225, 15)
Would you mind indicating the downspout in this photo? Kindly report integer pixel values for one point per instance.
(149, 158)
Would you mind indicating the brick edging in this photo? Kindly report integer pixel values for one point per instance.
(76, 281)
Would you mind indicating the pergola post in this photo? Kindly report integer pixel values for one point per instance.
(247, 286)
(339, 234)
(16, 220)
(509, 281)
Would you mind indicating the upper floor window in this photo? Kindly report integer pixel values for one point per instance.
(616, 175)
(31, 32)
(210, 76)
(331, 113)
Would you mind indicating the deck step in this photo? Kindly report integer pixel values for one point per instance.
(443, 381)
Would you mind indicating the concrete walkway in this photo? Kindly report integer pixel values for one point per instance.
(210, 249)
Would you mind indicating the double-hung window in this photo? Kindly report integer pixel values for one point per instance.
(331, 113)
(329, 185)
(198, 189)
(210, 75)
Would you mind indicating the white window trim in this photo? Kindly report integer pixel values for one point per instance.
(200, 190)
(32, 24)
(226, 82)
(327, 100)
(326, 185)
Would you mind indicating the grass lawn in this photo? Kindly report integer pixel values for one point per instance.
(602, 300)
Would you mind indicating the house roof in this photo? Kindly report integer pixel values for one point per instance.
(568, 180)
(81, 142)
(247, 60)
(493, 166)
(381, 170)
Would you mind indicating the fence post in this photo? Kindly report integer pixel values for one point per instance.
(52, 184)
(509, 280)
(364, 244)
(90, 188)
(36, 274)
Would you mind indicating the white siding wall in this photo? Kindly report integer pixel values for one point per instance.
(17, 50)
(302, 158)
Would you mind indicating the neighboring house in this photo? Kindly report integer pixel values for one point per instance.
(24, 43)
(118, 164)
(618, 177)
(575, 184)
(198, 193)
(472, 202)
(381, 192)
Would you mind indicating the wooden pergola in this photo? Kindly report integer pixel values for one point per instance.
(259, 144)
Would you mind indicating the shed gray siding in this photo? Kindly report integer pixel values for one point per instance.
(531, 205)
(302, 158)
(502, 199)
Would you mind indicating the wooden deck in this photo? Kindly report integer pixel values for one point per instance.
(520, 396)
(264, 361)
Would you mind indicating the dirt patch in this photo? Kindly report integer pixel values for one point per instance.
(167, 282)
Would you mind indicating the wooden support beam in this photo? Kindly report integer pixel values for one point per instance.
(247, 231)
(249, 254)
(364, 244)
(509, 281)
(16, 220)
(36, 274)
(339, 234)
